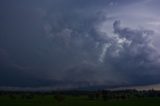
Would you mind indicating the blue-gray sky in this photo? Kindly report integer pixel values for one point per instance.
(79, 43)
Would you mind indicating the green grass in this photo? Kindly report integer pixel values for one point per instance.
(76, 101)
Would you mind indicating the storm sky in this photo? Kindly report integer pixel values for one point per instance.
(79, 43)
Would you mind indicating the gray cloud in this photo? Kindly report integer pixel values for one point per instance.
(131, 58)
(137, 59)
(62, 46)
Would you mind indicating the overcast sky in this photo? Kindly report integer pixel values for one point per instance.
(79, 43)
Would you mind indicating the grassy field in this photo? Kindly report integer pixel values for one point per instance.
(76, 101)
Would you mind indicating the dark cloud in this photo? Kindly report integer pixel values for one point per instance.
(57, 43)
(138, 58)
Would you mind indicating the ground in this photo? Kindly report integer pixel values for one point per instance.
(49, 100)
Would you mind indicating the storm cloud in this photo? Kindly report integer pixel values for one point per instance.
(63, 43)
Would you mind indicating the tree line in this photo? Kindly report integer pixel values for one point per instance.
(105, 95)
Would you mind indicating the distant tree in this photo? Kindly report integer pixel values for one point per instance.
(97, 95)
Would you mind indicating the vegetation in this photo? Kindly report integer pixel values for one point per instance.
(81, 98)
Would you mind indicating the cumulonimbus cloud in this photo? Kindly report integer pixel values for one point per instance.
(72, 50)
(127, 57)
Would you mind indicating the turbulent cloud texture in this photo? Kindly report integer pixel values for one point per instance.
(64, 44)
